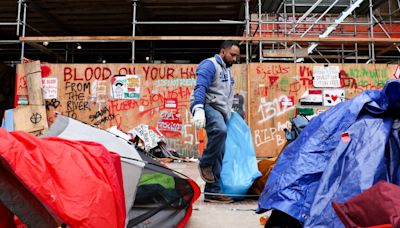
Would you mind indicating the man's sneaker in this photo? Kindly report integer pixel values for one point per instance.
(218, 199)
(207, 174)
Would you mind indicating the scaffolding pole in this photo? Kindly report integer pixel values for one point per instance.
(294, 29)
(8, 23)
(260, 31)
(116, 39)
(19, 16)
(221, 22)
(247, 18)
(285, 20)
(313, 23)
(134, 5)
(23, 32)
(354, 35)
(371, 14)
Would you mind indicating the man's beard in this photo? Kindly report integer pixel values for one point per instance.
(228, 64)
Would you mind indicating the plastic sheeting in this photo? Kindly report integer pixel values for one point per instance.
(319, 166)
(76, 180)
(239, 166)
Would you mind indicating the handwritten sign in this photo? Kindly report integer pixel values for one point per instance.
(50, 87)
(326, 76)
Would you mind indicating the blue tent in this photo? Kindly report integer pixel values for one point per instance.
(319, 167)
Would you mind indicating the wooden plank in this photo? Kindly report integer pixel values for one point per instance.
(30, 118)
(124, 38)
(285, 53)
(34, 83)
(32, 67)
(272, 38)
(302, 53)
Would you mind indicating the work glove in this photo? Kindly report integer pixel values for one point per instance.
(199, 118)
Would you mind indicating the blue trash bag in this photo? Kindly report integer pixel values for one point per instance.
(239, 166)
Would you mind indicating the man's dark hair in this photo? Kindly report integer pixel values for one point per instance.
(229, 43)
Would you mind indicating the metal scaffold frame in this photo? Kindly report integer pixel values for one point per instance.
(23, 4)
(289, 24)
(281, 23)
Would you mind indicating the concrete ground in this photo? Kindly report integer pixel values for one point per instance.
(238, 214)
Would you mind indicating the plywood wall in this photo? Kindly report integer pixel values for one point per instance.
(272, 84)
(84, 93)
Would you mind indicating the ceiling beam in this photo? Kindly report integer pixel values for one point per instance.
(192, 5)
(47, 51)
(37, 5)
(194, 2)
(67, 39)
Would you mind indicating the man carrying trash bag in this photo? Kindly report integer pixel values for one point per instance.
(211, 106)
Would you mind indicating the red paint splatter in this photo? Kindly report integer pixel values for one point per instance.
(273, 79)
(46, 71)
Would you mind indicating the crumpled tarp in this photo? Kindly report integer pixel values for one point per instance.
(319, 166)
(76, 180)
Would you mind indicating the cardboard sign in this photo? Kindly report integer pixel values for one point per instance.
(50, 87)
(326, 76)
(30, 118)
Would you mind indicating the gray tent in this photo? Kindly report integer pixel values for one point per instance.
(132, 163)
(155, 196)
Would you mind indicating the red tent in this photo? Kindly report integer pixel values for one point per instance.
(76, 183)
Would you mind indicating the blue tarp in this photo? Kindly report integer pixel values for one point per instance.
(319, 167)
